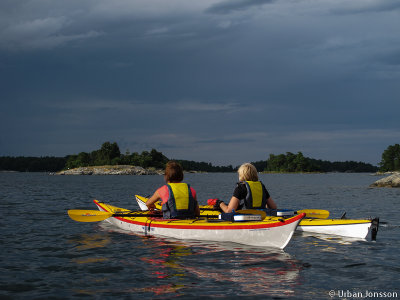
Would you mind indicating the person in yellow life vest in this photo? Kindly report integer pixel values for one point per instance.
(179, 200)
(250, 193)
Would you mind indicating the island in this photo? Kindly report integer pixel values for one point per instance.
(111, 170)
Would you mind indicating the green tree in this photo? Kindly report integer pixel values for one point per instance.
(106, 154)
(71, 162)
(158, 160)
(301, 163)
(260, 165)
(390, 159)
(83, 159)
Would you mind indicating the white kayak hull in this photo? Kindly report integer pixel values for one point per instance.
(267, 233)
(353, 230)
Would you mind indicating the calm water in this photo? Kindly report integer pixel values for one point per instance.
(44, 254)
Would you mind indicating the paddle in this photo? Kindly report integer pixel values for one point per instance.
(310, 213)
(314, 213)
(81, 215)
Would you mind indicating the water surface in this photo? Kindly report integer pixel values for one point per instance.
(44, 254)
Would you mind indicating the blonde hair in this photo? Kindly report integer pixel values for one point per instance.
(248, 172)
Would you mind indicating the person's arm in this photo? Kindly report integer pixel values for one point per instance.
(153, 199)
(271, 204)
(233, 204)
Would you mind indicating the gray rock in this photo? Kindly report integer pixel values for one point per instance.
(111, 170)
(389, 181)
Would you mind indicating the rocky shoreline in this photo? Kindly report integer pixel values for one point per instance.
(110, 170)
(392, 180)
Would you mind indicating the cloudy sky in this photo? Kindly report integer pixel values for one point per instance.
(221, 81)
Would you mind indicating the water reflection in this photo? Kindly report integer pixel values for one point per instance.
(89, 260)
(158, 290)
(252, 270)
(255, 271)
(87, 242)
(318, 237)
(90, 241)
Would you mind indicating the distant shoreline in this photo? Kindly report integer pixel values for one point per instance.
(110, 170)
(137, 170)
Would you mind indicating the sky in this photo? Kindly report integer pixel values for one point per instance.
(220, 81)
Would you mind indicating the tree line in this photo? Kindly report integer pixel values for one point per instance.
(32, 164)
(190, 165)
(290, 163)
(110, 154)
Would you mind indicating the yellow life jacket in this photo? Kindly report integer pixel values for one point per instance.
(180, 203)
(256, 197)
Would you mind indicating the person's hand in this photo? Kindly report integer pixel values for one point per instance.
(217, 204)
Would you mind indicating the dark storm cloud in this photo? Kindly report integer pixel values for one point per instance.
(369, 7)
(390, 58)
(219, 81)
(225, 7)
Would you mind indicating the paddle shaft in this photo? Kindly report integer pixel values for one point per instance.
(154, 215)
(310, 213)
(96, 216)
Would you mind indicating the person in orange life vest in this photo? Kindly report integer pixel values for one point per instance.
(178, 198)
(249, 192)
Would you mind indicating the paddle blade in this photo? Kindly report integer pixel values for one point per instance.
(81, 215)
(315, 213)
(142, 203)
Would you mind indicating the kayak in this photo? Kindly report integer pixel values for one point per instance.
(274, 232)
(363, 229)
(354, 228)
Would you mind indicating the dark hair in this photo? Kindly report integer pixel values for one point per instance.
(173, 172)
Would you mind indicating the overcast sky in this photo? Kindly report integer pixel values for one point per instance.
(218, 81)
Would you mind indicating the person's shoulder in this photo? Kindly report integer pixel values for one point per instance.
(240, 186)
(163, 188)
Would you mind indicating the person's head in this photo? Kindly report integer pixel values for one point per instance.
(247, 172)
(173, 172)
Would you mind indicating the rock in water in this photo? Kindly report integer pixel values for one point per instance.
(389, 181)
(109, 170)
